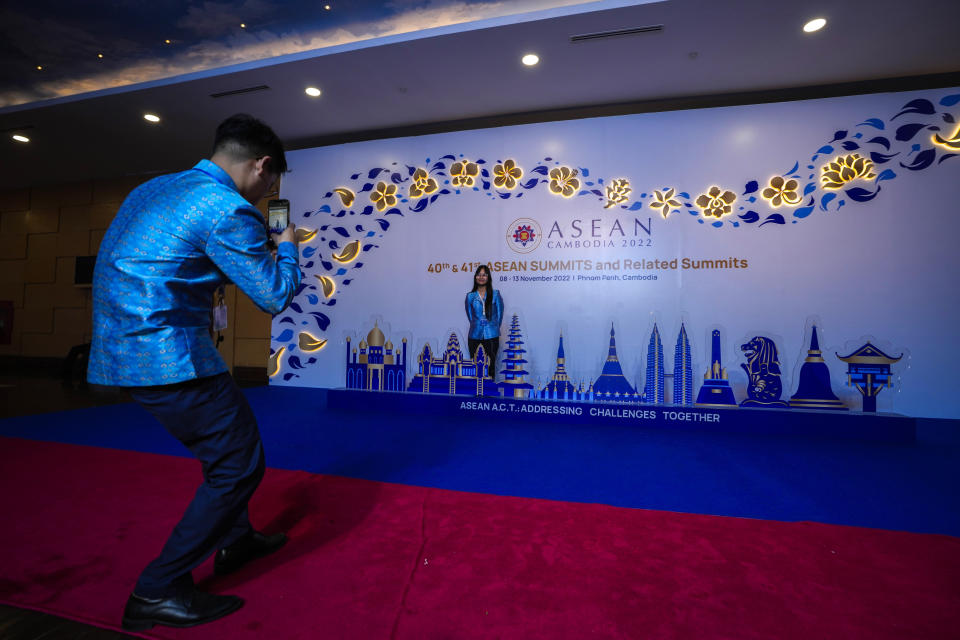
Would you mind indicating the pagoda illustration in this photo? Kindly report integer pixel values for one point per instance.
(682, 370)
(814, 390)
(653, 387)
(612, 385)
(559, 387)
(868, 369)
(513, 384)
(452, 372)
(716, 391)
(374, 368)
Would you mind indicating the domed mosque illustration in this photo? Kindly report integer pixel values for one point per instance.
(374, 368)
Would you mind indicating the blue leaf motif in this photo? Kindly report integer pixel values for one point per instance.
(486, 185)
(367, 210)
(285, 335)
(948, 118)
(750, 187)
(879, 158)
(308, 252)
(437, 166)
(286, 320)
(503, 195)
(683, 194)
(311, 360)
(340, 271)
(839, 135)
(876, 123)
(294, 362)
(384, 224)
(825, 200)
(862, 195)
(396, 178)
(922, 160)
(945, 156)
(539, 169)
(887, 174)
(825, 149)
(324, 209)
(531, 183)
(907, 131)
(949, 101)
(373, 173)
(322, 320)
(333, 244)
(919, 105)
(420, 206)
(313, 299)
(392, 212)
(584, 172)
(635, 206)
(811, 186)
(327, 265)
(750, 217)
(802, 212)
(850, 145)
(717, 224)
(880, 140)
(775, 218)
(296, 307)
(796, 165)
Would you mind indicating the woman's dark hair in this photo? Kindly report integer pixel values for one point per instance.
(488, 301)
(244, 136)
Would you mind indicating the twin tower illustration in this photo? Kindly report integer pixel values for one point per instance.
(376, 366)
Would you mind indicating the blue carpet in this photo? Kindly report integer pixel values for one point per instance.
(908, 487)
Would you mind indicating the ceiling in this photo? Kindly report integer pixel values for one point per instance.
(470, 72)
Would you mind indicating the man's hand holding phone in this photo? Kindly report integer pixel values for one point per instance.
(287, 235)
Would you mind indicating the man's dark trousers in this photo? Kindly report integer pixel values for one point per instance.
(213, 419)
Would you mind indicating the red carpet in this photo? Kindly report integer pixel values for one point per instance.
(373, 560)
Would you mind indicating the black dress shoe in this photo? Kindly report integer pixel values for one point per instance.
(250, 547)
(186, 609)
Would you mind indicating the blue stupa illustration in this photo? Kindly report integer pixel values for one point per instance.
(559, 387)
(814, 390)
(653, 386)
(513, 384)
(868, 369)
(763, 373)
(612, 385)
(452, 373)
(375, 368)
(682, 370)
(716, 391)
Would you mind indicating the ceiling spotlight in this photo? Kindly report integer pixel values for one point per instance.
(530, 59)
(100, 55)
(814, 25)
(39, 68)
(312, 92)
(166, 42)
(20, 138)
(327, 7)
(243, 25)
(149, 117)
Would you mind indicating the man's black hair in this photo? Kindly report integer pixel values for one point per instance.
(244, 136)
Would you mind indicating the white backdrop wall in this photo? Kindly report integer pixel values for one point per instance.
(875, 260)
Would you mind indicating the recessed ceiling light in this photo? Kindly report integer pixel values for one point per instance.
(312, 91)
(20, 138)
(166, 42)
(327, 7)
(243, 25)
(530, 59)
(149, 117)
(100, 55)
(814, 25)
(39, 68)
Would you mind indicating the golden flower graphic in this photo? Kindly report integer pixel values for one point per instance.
(505, 175)
(782, 191)
(664, 201)
(617, 192)
(463, 173)
(844, 169)
(423, 184)
(346, 196)
(385, 195)
(564, 181)
(953, 142)
(716, 203)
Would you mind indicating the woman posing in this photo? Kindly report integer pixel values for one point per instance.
(484, 309)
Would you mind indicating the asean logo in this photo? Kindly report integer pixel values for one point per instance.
(523, 235)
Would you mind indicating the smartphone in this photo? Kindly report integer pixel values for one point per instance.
(278, 215)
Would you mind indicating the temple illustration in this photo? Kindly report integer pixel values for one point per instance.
(560, 387)
(653, 387)
(868, 369)
(612, 385)
(716, 391)
(682, 370)
(374, 368)
(814, 390)
(513, 384)
(452, 372)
